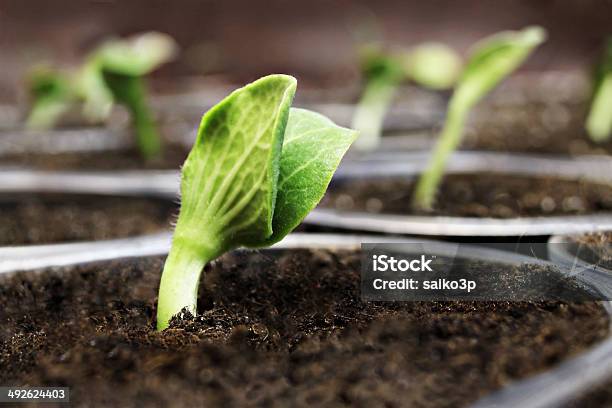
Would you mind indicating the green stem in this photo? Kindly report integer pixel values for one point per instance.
(148, 139)
(180, 280)
(427, 186)
(599, 121)
(193, 246)
(98, 98)
(130, 91)
(46, 113)
(372, 109)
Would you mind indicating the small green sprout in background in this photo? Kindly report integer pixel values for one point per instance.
(383, 73)
(95, 94)
(599, 121)
(121, 66)
(431, 65)
(111, 74)
(491, 61)
(51, 96)
(257, 168)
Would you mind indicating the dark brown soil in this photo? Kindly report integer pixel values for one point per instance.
(172, 158)
(596, 248)
(535, 128)
(532, 112)
(475, 195)
(283, 331)
(51, 218)
(598, 397)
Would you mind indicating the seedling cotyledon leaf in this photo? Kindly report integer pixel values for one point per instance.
(257, 168)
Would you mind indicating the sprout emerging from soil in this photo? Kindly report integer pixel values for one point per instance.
(491, 61)
(111, 74)
(431, 65)
(258, 167)
(599, 121)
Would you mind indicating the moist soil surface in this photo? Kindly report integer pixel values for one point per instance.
(595, 248)
(542, 113)
(274, 329)
(52, 218)
(600, 396)
(172, 158)
(474, 195)
(536, 127)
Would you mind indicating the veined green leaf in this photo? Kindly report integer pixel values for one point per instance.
(229, 179)
(228, 186)
(312, 151)
(257, 168)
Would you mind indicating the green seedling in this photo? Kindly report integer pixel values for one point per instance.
(51, 96)
(94, 92)
(431, 65)
(115, 72)
(599, 121)
(257, 168)
(491, 61)
(383, 73)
